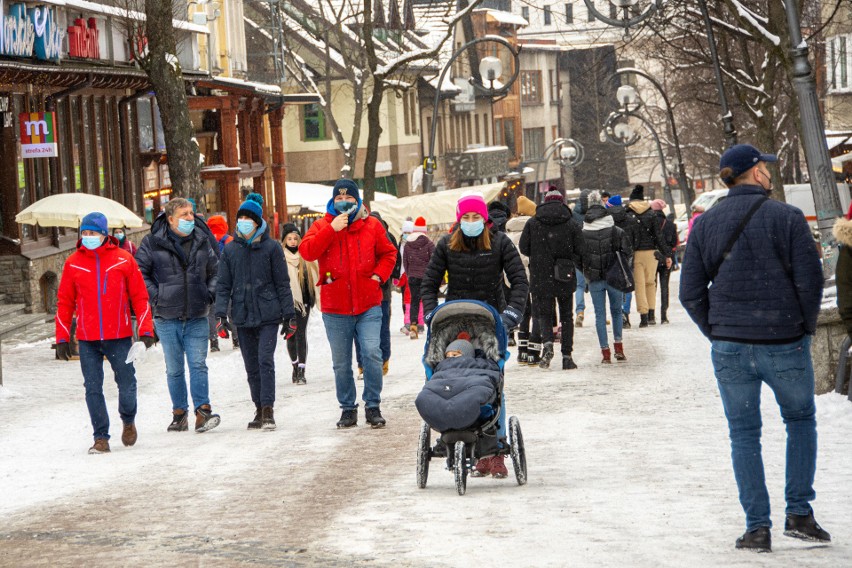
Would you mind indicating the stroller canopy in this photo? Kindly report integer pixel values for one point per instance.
(480, 320)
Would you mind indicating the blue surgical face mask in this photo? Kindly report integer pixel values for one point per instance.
(472, 228)
(345, 206)
(245, 226)
(185, 226)
(92, 242)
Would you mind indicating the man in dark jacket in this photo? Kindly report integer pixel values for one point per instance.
(668, 232)
(648, 251)
(179, 266)
(756, 296)
(254, 281)
(552, 240)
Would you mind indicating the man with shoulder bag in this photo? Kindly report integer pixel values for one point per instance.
(752, 282)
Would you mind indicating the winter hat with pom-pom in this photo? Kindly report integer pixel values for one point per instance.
(638, 193)
(420, 225)
(461, 345)
(553, 195)
(525, 206)
(252, 208)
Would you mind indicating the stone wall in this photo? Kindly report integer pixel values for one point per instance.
(826, 349)
(14, 272)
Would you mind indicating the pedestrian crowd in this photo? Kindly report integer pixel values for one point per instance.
(192, 281)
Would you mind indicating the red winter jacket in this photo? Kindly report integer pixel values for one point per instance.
(351, 256)
(101, 286)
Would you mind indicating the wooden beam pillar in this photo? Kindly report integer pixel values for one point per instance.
(279, 171)
(229, 190)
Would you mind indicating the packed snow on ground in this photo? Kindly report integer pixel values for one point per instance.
(628, 466)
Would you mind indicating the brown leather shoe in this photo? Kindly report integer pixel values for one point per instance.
(101, 446)
(179, 419)
(128, 435)
(205, 419)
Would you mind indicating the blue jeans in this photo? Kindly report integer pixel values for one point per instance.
(185, 340)
(384, 338)
(257, 345)
(628, 298)
(580, 293)
(600, 290)
(341, 332)
(788, 370)
(92, 364)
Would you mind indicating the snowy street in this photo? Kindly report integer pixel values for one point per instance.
(629, 465)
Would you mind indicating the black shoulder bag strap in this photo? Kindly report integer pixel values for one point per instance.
(735, 236)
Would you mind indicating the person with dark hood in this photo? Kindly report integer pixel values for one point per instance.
(498, 215)
(303, 284)
(668, 231)
(355, 258)
(629, 225)
(120, 233)
(553, 242)
(579, 215)
(255, 283)
(649, 251)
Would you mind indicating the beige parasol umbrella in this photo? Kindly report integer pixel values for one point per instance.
(68, 210)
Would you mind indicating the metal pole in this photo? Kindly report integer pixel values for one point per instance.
(727, 117)
(667, 190)
(826, 198)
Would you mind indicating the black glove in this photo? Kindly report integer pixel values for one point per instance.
(288, 328)
(223, 327)
(63, 351)
(510, 319)
(148, 340)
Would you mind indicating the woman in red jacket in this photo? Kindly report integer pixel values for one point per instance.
(101, 283)
(355, 257)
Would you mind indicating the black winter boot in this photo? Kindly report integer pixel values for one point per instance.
(651, 319)
(267, 420)
(523, 343)
(257, 420)
(533, 354)
(546, 355)
(300, 380)
(214, 345)
(374, 417)
(805, 527)
(663, 318)
(643, 320)
(758, 540)
(625, 320)
(295, 376)
(568, 363)
(348, 418)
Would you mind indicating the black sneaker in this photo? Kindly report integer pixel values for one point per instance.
(568, 363)
(546, 355)
(256, 421)
(374, 417)
(214, 345)
(295, 376)
(652, 320)
(300, 380)
(805, 527)
(179, 421)
(348, 419)
(758, 540)
(643, 320)
(625, 321)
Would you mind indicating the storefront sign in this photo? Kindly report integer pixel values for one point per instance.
(5, 113)
(83, 39)
(29, 33)
(38, 134)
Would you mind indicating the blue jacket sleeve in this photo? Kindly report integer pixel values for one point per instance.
(694, 281)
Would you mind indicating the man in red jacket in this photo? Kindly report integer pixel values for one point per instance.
(355, 257)
(101, 283)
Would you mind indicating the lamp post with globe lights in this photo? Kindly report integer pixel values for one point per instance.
(571, 154)
(490, 70)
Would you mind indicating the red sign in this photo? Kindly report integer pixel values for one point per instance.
(83, 39)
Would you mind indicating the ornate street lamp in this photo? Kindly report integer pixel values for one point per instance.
(626, 7)
(571, 154)
(490, 69)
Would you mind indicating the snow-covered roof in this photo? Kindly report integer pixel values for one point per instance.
(507, 18)
(259, 87)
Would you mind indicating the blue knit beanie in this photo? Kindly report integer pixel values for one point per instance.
(614, 201)
(252, 208)
(346, 187)
(95, 222)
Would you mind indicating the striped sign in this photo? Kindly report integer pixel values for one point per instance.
(38, 134)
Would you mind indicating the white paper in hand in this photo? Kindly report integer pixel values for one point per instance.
(137, 350)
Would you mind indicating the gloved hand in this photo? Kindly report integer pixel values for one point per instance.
(223, 327)
(63, 351)
(148, 340)
(510, 318)
(288, 328)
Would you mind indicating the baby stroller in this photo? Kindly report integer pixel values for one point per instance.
(487, 435)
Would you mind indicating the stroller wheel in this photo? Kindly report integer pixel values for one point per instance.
(516, 448)
(423, 455)
(460, 468)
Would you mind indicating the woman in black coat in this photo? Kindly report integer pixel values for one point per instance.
(474, 260)
(552, 240)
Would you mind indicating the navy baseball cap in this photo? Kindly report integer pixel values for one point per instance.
(741, 158)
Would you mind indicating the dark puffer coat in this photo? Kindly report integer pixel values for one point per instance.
(843, 276)
(552, 234)
(253, 278)
(179, 285)
(499, 214)
(625, 222)
(647, 235)
(418, 253)
(668, 232)
(601, 240)
(452, 398)
(476, 274)
(770, 286)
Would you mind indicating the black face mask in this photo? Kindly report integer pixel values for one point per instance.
(294, 250)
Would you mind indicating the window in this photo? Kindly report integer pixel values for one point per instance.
(412, 111)
(555, 95)
(547, 16)
(533, 143)
(476, 127)
(314, 122)
(569, 13)
(531, 87)
(525, 13)
(832, 65)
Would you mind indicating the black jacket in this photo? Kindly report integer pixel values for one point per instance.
(601, 240)
(180, 285)
(625, 222)
(499, 214)
(843, 276)
(476, 275)
(552, 234)
(253, 278)
(668, 232)
(648, 230)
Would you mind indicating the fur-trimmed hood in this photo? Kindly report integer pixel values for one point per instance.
(843, 231)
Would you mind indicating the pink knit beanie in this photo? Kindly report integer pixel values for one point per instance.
(658, 205)
(472, 203)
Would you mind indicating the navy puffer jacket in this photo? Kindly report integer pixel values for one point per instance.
(253, 278)
(179, 285)
(770, 287)
(552, 234)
